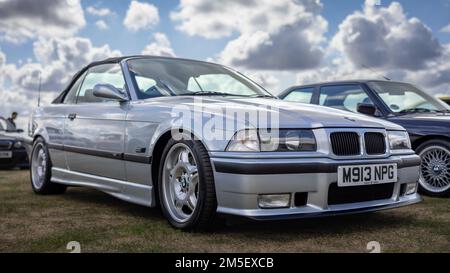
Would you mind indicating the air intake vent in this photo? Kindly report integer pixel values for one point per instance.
(348, 195)
(375, 143)
(345, 143)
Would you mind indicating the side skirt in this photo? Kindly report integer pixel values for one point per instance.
(126, 191)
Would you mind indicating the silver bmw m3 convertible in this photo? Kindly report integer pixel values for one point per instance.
(198, 139)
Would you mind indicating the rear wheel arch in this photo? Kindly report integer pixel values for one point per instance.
(47, 187)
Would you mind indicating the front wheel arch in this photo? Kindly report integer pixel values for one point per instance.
(157, 153)
(205, 214)
(418, 142)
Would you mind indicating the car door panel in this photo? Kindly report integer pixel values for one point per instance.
(95, 140)
(95, 127)
(52, 125)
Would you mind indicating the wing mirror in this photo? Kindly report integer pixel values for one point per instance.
(107, 91)
(368, 109)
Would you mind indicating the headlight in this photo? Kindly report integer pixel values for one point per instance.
(399, 140)
(244, 141)
(273, 141)
(18, 145)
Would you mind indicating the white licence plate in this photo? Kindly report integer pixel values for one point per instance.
(367, 175)
(5, 154)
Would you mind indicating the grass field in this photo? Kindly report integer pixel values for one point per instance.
(30, 223)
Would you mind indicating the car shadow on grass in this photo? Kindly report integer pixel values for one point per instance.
(255, 229)
(96, 198)
(333, 225)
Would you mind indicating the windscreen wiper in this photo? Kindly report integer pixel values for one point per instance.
(264, 96)
(416, 110)
(209, 93)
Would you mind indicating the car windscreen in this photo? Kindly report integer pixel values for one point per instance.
(406, 98)
(166, 77)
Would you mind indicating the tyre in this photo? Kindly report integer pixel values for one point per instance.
(186, 186)
(435, 169)
(41, 171)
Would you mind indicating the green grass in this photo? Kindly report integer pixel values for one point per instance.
(31, 223)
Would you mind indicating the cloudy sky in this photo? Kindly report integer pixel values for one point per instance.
(278, 43)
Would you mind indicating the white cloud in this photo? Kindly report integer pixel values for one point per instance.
(272, 35)
(160, 47)
(377, 42)
(98, 11)
(436, 75)
(27, 19)
(141, 16)
(386, 38)
(101, 24)
(2, 58)
(218, 19)
(58, 59)
(268, 81)
(446, 29)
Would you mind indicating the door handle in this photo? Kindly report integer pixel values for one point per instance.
(72, 116)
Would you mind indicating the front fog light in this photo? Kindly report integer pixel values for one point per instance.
(274, 201)
(411, 189)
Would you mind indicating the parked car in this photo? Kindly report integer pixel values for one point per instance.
(12, 150)
(446, 100)
(125, 139)
(426, 118)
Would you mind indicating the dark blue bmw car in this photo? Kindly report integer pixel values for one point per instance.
(426, 118)
(12, 151)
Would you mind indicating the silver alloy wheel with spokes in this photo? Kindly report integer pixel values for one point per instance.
(435, 169)
(38, 166)
(180, 183)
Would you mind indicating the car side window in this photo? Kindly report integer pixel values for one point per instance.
(344, 97)
(2, 125)
(101, 74)
(71, 97)
(302, 95)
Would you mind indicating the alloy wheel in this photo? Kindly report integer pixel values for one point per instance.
(180, 183)
(38, 166)
(435, 169)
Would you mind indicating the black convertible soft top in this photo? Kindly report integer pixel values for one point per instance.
(61, 96)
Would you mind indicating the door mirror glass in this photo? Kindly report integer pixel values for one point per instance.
(107, 91)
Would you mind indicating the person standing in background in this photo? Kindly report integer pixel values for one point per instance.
(12, 119)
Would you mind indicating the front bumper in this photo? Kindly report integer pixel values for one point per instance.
(239, 182)
(19, 159)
